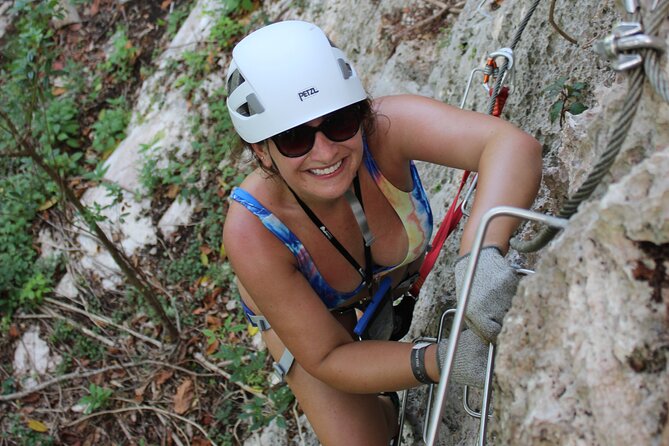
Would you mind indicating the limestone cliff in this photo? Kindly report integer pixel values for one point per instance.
(582, 359)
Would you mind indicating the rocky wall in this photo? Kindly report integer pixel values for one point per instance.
(582, 357)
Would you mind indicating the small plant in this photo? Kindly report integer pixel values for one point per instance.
(198, 64)
(121, 59)
(97, 398)
(30, 432)
(61, 125)
(33, 291)
(232, 6)
(567, 99)
(260, 414)
(24, 279)
(176, 19)
(109, 129)
(225, 30)
(8, 386)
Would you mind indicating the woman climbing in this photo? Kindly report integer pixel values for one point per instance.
(335, 214)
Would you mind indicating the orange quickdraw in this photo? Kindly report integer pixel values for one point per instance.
(489, 70)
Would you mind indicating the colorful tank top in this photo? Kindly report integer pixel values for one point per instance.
(413, 209)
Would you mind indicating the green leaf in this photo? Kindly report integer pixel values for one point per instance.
(556, 110)
(577, 108)
(556, 87)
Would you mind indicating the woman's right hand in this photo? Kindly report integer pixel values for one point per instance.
(471, 358)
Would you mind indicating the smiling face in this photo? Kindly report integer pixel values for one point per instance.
(322, 174)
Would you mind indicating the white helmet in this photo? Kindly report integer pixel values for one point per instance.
(284, 75)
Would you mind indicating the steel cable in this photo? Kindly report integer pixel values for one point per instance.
(651, 59)
(505, 65)
(624, 122)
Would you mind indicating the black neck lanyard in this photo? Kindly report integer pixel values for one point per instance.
(358, 211)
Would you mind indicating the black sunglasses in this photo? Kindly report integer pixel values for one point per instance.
(338, 126)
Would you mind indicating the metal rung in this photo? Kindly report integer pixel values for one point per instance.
(465, 402)
(488, 385)
(436, 412)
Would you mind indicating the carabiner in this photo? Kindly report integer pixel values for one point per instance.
(491, 70)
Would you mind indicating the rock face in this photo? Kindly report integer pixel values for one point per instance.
(582, 359)
(583, 354)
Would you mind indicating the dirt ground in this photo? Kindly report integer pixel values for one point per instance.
(163, 394)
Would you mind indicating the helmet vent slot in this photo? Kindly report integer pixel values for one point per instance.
(235, 80)
(345, 68)
(254, 105)
(244, 110)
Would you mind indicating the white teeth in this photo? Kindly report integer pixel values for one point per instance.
(327, 170)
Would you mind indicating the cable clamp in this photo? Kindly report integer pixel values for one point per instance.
(627, 36)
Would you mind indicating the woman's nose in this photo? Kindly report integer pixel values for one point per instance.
(324, 149)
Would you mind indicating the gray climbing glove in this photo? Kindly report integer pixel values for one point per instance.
(494, 286)
(471, 359)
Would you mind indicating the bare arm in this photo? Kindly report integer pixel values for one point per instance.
(318, 341)
(507, 159)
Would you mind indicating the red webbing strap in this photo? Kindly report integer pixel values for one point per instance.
(451, 220)
(454, 214)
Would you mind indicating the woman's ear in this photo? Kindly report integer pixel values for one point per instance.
(261, 151)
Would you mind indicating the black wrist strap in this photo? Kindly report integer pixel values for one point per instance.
(418, 363)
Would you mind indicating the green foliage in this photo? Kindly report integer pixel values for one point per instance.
(225, 30)
(109, 129)
(97, 398)
(18, 429)
(259, 414)
(80, 346)
(52, 125)
(249, 368)
(8, 386)
(196, 67)
(33, 291)
(176, 19)
(59, 124)
(225, 411)
(186, 268)
(23, 279)
(232, 6)
(210, 149)
(121, 58)
(567, 98)
(27, 60)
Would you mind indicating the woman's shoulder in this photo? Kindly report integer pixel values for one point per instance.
(397, 119)
(247, 202)
(398, 104)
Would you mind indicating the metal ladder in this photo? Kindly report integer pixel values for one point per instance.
(435, 405)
